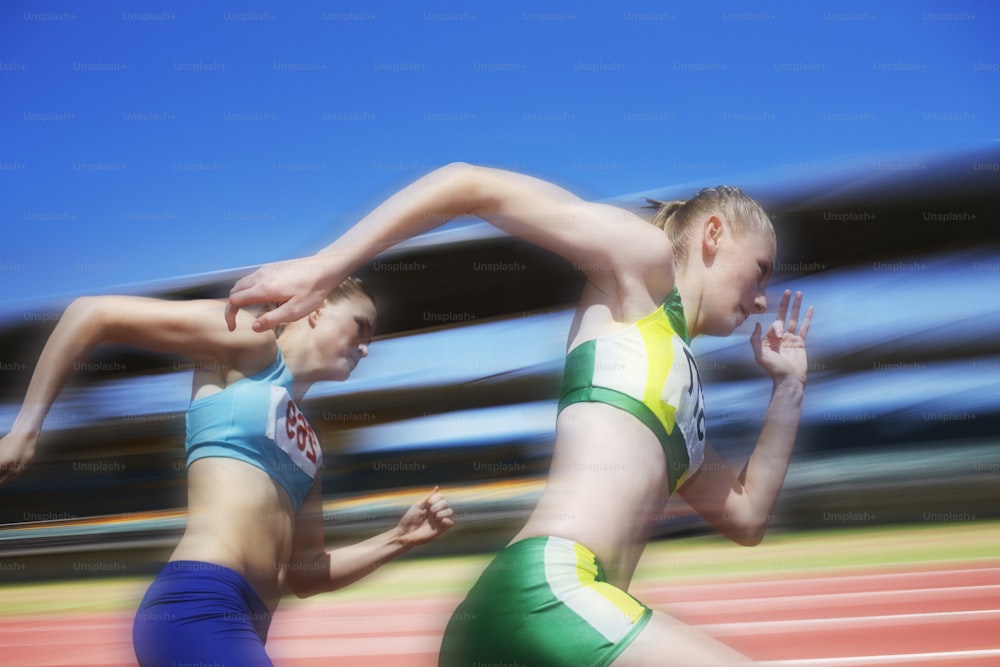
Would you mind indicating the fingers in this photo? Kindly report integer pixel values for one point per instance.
(286, 312)
(793, 321)
(805, 323)
(241, 289)
(780, 327)
(783, 306)
(264, 322)
(231, 310)
(777, 329)
(437, 509)
(429, 498)
(240, 295)
(755, 341)
(793, 326)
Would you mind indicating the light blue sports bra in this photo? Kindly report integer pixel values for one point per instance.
(256, 421)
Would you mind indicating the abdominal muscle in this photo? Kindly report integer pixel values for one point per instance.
(606, 488)
(607, 483)
(238, 517)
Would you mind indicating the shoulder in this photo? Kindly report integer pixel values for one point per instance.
(239, 357)
(641, 260)
(247, 352)
(199, 327)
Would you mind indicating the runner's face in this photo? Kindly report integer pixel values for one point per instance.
(741, 271)
(345, 329)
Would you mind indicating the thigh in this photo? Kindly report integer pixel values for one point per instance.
(200, 614)
(542, 602)
(667, 641)
(172, 638)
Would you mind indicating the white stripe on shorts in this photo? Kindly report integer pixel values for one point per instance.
(562, 577)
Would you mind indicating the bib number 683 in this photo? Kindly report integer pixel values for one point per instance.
(300, 432)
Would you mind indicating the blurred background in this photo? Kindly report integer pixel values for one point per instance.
(167, 150)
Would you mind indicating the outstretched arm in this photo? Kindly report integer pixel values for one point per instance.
(741, 506)
(186, 328)
(608, 243)
(314, 570)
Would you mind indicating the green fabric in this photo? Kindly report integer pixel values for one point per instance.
(511, 616)
(675, 313)
(674, 447)
(578, 387)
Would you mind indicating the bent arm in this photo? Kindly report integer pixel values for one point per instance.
(741, 506)
(76, 333)
(608, 243)
(313, 569)
(540, 212)
(186, 328)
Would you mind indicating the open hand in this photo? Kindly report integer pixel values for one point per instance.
(298, 286)
(782, 351)
(426, 519)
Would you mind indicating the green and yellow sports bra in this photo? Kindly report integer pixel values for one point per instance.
(648, 370)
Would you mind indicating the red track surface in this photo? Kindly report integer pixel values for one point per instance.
(927, 617)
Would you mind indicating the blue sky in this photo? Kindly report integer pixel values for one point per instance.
(151, 141)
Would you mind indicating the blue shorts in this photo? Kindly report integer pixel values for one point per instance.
(542, 602)
(200, 613)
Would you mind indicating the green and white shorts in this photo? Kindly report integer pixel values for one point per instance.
(542, 602)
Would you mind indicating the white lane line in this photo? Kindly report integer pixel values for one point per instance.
(767, 602)
(839, 580)
(833, 623)
(893, 659)
(287, 649)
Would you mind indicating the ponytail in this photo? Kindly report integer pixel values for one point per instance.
(664, 211)
(678, 217)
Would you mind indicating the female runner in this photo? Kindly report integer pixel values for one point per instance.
(631, 424)
(255, 518)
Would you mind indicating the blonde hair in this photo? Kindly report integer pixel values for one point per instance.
(351, 288)
(679, 218)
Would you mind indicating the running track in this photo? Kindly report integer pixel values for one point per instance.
(945, 616)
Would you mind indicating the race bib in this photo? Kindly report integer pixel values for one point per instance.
(288, 428)
(690, 416)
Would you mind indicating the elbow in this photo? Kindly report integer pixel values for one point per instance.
(457, 166)
(749, 538)
(300, 585)
(746, 523)
(305, 578)
(748, 532)
(87, 317)
(467, 189)
(83, 306)
(460, 174)
(460, 169)
(300, 593)
(90, 309)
